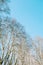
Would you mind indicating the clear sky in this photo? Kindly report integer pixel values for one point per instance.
(30, 14)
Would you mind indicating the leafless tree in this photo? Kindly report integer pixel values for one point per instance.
(14, 44)
(38, 48)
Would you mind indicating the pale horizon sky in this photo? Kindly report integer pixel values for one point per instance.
(30, 14)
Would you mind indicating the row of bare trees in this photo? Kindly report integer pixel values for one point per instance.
(16, 47)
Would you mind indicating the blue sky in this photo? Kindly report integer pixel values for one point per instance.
(30, 14)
